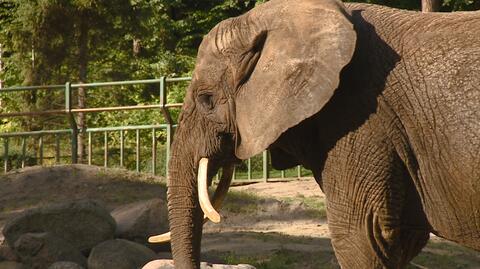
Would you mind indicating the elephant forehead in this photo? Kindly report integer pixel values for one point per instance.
(209, 73)
(210, 65)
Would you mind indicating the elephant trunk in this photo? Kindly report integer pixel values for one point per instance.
(184, 212)
(188, 202)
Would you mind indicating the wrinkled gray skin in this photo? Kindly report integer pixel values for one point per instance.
(382, 105)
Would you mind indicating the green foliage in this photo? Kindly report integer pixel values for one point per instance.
(16, 157)
(403, 4)
(125, 40)
(460, 5)
(447, 5)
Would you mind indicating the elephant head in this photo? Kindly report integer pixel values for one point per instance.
(256, 76)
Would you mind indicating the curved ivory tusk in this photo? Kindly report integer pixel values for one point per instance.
(218, 198)
(223, 186)
(162, 238)
(205, 203)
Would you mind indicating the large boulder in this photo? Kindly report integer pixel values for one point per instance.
(11, 265)
(168, 264)
(119, 254)
(83, 223)
(65, 265)
(40, 250)
(137, 221)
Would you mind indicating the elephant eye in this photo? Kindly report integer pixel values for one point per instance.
(206, 100)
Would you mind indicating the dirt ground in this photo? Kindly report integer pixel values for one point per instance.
(282, 190)
(269, 225)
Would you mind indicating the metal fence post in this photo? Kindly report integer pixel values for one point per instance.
(5, 154)
(137, 150)
(68, 97)
(57, 148)
(122, 147)
(40, 148)
(71, 121)
(154, 152)
(24, 150)
(105, 149)
(90, 153)
(168, 119)
(168, 146)
(265, 166)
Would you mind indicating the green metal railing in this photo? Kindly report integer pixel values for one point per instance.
(121, 131)
(90, 131)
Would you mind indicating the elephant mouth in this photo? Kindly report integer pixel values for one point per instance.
(209, 208)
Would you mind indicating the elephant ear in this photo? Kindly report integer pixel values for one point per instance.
(286, 58)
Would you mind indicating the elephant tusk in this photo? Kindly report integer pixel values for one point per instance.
(223, 186)
(205, 203)
(218, 198)
(161, 238)
(222, 189)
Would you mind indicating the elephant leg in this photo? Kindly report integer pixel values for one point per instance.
(374, 214)
(375, 245)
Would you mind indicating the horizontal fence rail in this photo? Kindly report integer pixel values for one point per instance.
(68, 87)
(107, 146)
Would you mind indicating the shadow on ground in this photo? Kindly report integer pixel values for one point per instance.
(278, 251)
(268, 250)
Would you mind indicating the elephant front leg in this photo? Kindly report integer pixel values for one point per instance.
(374, 214)
(374, 244)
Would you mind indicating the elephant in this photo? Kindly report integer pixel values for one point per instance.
(381, 104)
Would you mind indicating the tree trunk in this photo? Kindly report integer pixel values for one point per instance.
(431, 5)
(82, 93)
(31, 78)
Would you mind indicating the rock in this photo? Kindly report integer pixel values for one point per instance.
(168, 264)
(137, 221)
(119, 254)
(7, 253)
(65, 265)
(40, 250)
(11, 265)
(83, 223)
(159, 264)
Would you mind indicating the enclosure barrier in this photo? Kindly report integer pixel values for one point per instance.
(73, 132)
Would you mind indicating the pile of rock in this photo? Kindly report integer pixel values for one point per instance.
(83, 234)
(64, 235)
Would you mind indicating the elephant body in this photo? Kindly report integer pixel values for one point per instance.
(396, 148)
(393, 139)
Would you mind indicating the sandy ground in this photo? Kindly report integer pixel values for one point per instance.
(312, 235)
(292, 225)
(281, 190)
